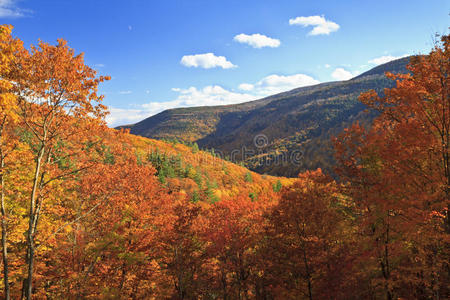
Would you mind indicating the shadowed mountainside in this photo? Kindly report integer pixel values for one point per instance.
(283, 134)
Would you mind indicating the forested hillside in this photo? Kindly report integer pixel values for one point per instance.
(89, 212)
(296, 124)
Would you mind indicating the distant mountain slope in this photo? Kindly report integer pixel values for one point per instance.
(282, 134)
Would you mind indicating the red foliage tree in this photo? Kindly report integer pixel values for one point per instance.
(398, 174)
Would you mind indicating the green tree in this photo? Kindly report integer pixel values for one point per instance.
(195, 148)
(248, 177)
(277, 186)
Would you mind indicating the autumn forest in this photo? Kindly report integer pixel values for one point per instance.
(91, 212)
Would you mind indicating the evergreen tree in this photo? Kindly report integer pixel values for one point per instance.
(212, 197)
(195, 148)
(195, 197)
(248, 177)
(277, 186)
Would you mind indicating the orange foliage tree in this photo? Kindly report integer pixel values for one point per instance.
(232, 234)
(9, 47)
(110, 242)
(306, 239)
(398, 174)
(56, 97)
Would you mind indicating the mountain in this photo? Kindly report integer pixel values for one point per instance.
(283, 134)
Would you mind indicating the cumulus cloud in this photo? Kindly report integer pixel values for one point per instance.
(257, 40)
(9, 9)
(212, 95)
(119, 116)
(206, 61)
(384, 59)
(342, 74)
(274, 83)
(246, 86)
(209, 95)
(192, 96)
(319, 23)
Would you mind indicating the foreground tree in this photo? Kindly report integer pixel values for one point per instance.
(111, 242)
(9, 48)
(56, 95)
(232, 234)
(306, 239)
(398, 174)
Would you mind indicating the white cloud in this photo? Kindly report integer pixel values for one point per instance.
(319, 23)
(192, 96)
(257, 40)
(9, 9)
(273, 84)
(212, 95)
(384, 59)
(125, 92)
(246, 86)
(147, 91)
(206, 61)
(207, 96)
(130, 27)
(342, 74)
(99, 65)
(327, 66)
(119, 116)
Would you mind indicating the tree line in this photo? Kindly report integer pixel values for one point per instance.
(86, 213)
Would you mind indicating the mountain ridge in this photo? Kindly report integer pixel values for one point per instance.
(300, 120)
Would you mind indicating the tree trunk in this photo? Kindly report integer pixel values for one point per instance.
(385, 264)
(308, 275)
(4, 229)
(32, 224)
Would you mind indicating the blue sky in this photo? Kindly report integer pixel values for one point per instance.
(169, 53)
